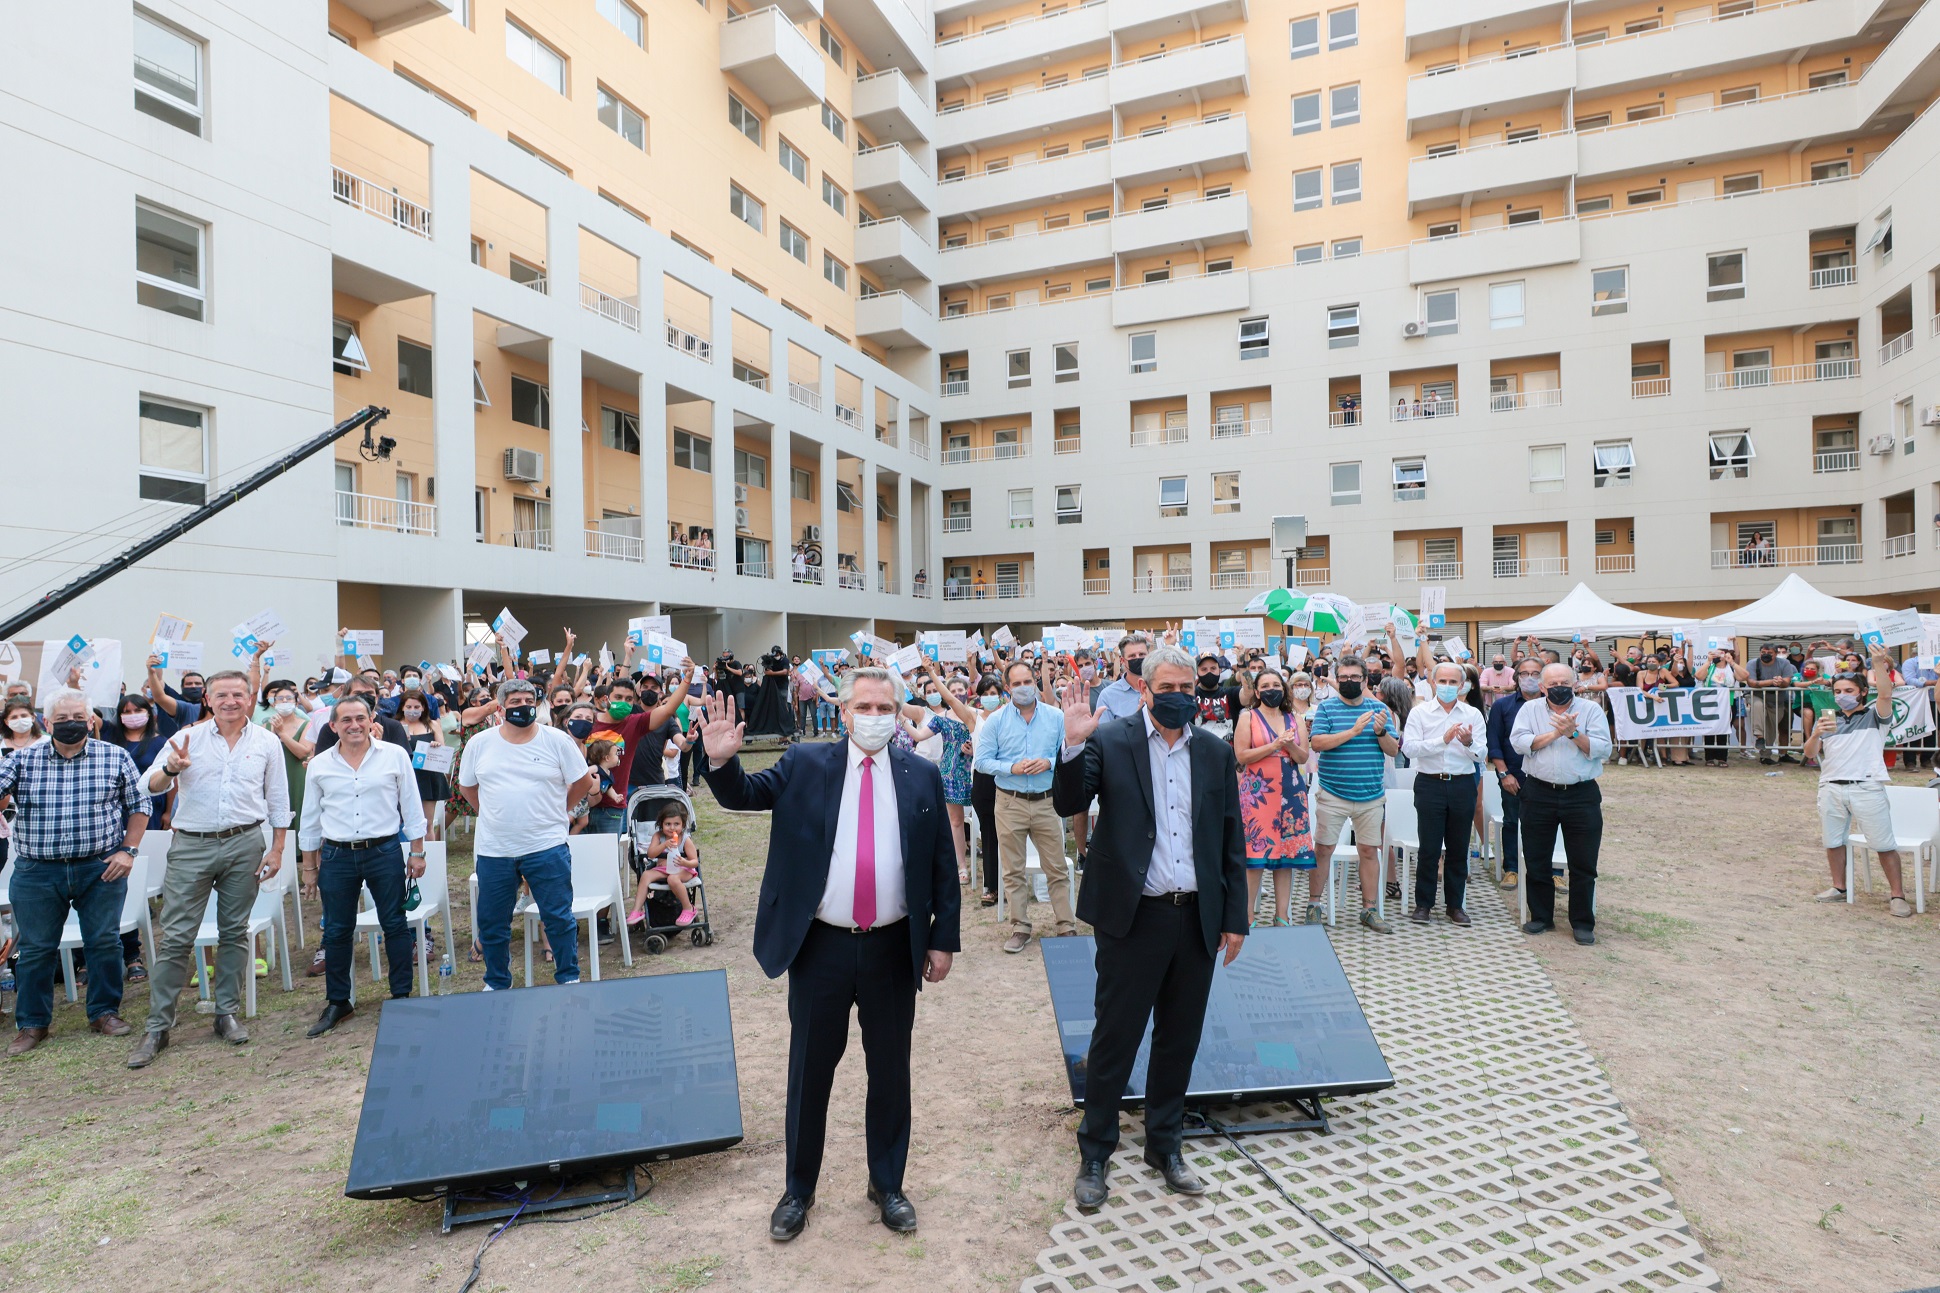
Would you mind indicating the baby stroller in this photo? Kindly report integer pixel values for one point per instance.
(663, 909)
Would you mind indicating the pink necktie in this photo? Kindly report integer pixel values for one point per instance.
(865, 850)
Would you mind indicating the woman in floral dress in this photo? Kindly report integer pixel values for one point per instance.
(1273, 797)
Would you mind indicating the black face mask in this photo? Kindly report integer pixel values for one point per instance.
(1560, 694)
(1173, 710)
(1374, 677)
(649, 698)
(581, 728)
(1208, 683)
(1135, 666)
(521, 715)
(71, 731)
(1350, 688)
(193, 695)
(1273, 699)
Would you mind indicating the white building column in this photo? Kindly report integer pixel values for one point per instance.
(871, 533)
(454, 418)
(653, 419)
(905, 542)
(781, 501)
(826, 471)
(721, 432)
(566, 472)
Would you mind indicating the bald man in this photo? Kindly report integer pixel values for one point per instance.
(1563, 741)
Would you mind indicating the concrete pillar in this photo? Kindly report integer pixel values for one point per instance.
(870, 532)
(566, 473)
(721, 432)
(422, 624)
(827, 500)
(905, 567)
(653, 421)
(781, 498)
(453, 419)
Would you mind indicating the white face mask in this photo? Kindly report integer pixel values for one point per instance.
(286, 707)
(1302, 693)
(21, 723)
(872, 731)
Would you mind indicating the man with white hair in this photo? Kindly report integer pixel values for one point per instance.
(1563, 743)
(1446, 742)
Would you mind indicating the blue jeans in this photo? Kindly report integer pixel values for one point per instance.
(41, 893)
(342, 873)
(606, 821)
(549, 874)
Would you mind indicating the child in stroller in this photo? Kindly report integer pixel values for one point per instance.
(671, 857)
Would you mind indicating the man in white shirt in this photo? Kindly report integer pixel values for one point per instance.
(1563, 743)
(1446, 740)
(358, 796)
(1851, 749)
(523, 779)
(230, 781)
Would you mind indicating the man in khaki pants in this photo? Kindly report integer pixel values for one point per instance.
(1019, 748)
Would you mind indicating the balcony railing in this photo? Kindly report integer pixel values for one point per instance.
(1414, 410)
(1312, 577)
(964, 591)
(537, 540)
(921, 448)
(956, 525)
(806, 574)
(1620, 563)
(1153, 582)
(884, 584)
(1649, 388)
(1063, 444)
(1819, 370)
(1344, 418)
(608, 307)
(1517, 401)
(846, 578)
(1898, 545)
(848, 417)
(354, 190)
(1239, 430)
(1023, 522)
(751, 378)
(375, 512)
(1827, 461)
(1152, 436)
(688, 343)
(1226, 579)
(1805, 554)
(1097, 587)
(1835, 276)
(537, 283)
(1529, 567)
(755, 569)
(1896, 346)
(1427, 571)
(1933, 326)
(806, 396)
(921, 588)
(954, 388)
(685, 556)
(1016, 23)
(615, 547)
(987, 453)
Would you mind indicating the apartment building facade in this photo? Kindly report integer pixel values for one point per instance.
(1005, 313)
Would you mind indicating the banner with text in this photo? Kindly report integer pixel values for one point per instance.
(1677, 711)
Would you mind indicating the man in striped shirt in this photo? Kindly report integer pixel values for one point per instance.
(1351, 734)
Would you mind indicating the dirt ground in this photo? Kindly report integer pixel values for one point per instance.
(1804, 1160)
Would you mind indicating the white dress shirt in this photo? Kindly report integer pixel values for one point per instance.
(1423, 739)
(374, 800)
(838, 895)
(1172, 869)
(1561, 762)
(225, 785)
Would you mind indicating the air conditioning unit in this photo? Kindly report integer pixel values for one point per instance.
(1881, 444)
(740, 520)
(1930, 416)
(811, 534)
(740, 493)
(525, 464)
(1413, 328)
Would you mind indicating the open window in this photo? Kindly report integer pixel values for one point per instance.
(1731, 455)
(1410, 479)
(346, 352)
(1614, 463)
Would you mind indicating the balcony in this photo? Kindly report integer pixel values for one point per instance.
(687, 343)
(891, 30)
(687, 556)
(956, 524)
(774, 60)
(848, 417)
(1187, 149)
(1026, 182)
(387, 16)
(1827, 462)
(1503, 170)
(1133, 20)
(1188, 74)
(1898, 545)
(1834, 276)
(1805, 554)
(1312, 577)
(960, 386)
(806, 574)
(1181, 298)
(615, 547)
(1430, 23)
(1772, 124)
(1529, 567)
(895, 319)
(536, 540)
(1650, 388)
(1503, 84)
(1002, 589)
(371, 198)
(1821, 370)
(1024, 115)
(375, 512)
(1064, 444)
(893, 110)
(1518, 401)
(757, 569)
(986, 453)
(1420, 410)
(805, 395)
(1152, 581)
(1895, 347)
(1154, 437)
(610, 308)
(1196, 223)
(1097, 587)
(1241, 429)
(1503, 249)
(891, 178)
(1021, 44)
(1226, 580)
(1705, 42)
(895, 249)
(1619, 563)
(1424, 571)
(1020, 257)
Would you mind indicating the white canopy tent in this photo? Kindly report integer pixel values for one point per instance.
(1795, 606)
(1586, 613)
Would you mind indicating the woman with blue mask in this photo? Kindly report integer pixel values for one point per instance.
(1271, 746)
(1446, 740)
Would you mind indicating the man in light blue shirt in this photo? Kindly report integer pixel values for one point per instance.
(1126, 696)
(1563, 743)
(1018, 747)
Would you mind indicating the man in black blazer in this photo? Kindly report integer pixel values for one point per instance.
(858, 906)
(1164, 889)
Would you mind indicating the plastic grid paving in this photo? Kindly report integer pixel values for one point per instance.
(1501, 1159)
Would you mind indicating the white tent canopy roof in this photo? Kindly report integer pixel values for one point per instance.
(1586, 613)
(1795, 606)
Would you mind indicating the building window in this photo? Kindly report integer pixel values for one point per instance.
(743, 119)
(1834, 170)
(1344, 105)
(794, 242)
(1023, 511)
(1306, 190)
(1546, 463)
(801, 484)
(480, 399)
(1731, 455)
(535, 56)
(1345, 248)
(1442, 312)
(831, 46)
(846, 499)
(174, 453)
(1346, 478)
(1347, 182)
(750, 469)
(619, 116)
(1750, 182)
(531, 403)
(835, 271)
(1225, 492)
(619, 430)
(1825, 80)
(168, 263)
(1445, 229)
(834, 197)
(413, 368)
(793, 161)
(1312, 254)
(1306, 113)
(631, 22)
(1343, 326)
(1614, 461)
(1410, 480)
(746, 209)
(1255, 340)
(1505, 305)
(1172, 496)
(346, 351)
(1145, 352)
(1065, 361)
(1528, 215)
(1725, 276)
(834, 122)
(1343, 28)
(1592, 206)
(1643, 197)
(1158, 276)
(1303, 36)
(1610, 290)
(1070, 504)
(1017, 368)
(693, 452)
(168, 75)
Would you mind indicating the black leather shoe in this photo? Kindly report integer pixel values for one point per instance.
(1584, 935)
(1419, 915)
(898, 1213)
(1090, 1190)
(789, 1217)
(1457, 916)
(231, 1030)
(145, 1050)
(334, 1013)
(1537, 927)
(1178, 1177)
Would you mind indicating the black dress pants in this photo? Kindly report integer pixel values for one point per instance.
(837, 969)
(1444, 817)
(1159, 971)
(1577, 811)
(983, 798)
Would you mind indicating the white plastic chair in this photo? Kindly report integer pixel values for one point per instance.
(1492, 819)
(134, 915)
(6, 886)
(1346, 853)
(597, 887)
(434, 899)
(154, 847)
(1400, 832)
(1916, 823)
(1398, 779)
(291, 859)
(266, 916)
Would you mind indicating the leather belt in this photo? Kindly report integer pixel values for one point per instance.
(375, 842)
(231, 833)
(1551, 785)
(857, 929)
(1030, 796)
(1177, 898)
(1448, 776)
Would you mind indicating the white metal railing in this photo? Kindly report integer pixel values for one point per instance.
(1015, 23)
(967, 591)
(1529, 567)
(755, 569)
(1516, 401)
(845, 577)
(1240, 429)
(1835, 276)
(679, 338)
(1715, 107)
(883, 148)
(907, 299)
(1312, 577)
(1819, 370)
(1158, 435)
(1413, 410)
(375, 512)
(1197, 200)
(1016, 164)
(848, 417)
(987, 453)
(954, 388)
(685, 556)
(1344, 417)
(537, 540)
(757, 380)
(609, 307)
(1153, 582)
(956, 525)
(1804, 554)
(1097, 587)
(1620, 563)
(921, 448)
(921, 587)
(1416, 571)
(354, 190)
(1827, 461)
(1462, 149)
(806, 574)
(1680, 25)
(614, 547)
(1646, 388)
(884, 584)
(1896, 346)
(1023, 522)
(1898, 545)
(1177, 126)
(1016, 92)
(537, 283)
(1933, 326)
(806, 396)
(1448, 68)
(1175, 51)
(987, 240)
(1226, 579)
(1061, 445)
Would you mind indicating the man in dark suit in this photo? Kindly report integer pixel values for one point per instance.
(1164, 890)
(858, 905)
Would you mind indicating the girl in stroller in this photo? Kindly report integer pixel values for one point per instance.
(672, 857)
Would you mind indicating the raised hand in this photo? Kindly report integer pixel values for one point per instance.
(720, 731)
(1079, 721)
(178, 757)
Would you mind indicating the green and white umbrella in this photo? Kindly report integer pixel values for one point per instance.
(1314, 612)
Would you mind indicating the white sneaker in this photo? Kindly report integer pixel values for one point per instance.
(1900, 907)
(1834, 894)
